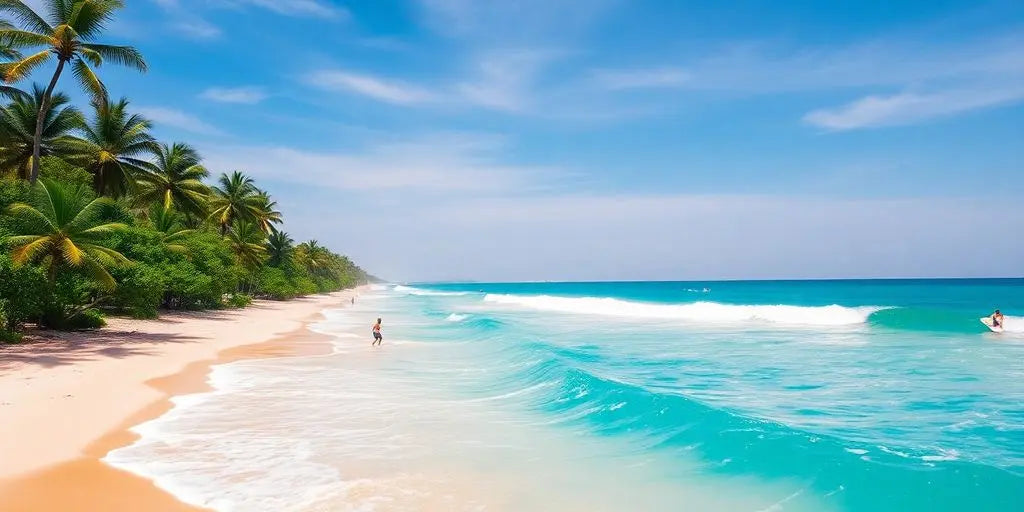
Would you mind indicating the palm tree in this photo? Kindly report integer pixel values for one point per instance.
(170, 226)
(63, 228)
(111, 146)
(236, 198)
(315, 257)
(66, 35)
(246, 241)
(175, 180)
(280, 247)
(7, 54)
(266, 215)
(18, 126)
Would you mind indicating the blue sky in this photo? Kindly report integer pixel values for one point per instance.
(609, 139)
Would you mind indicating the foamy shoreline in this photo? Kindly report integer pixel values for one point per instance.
(66, 402)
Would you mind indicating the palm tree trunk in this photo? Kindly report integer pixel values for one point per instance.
(37, 140)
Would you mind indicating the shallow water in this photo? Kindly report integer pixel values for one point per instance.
(849, 395)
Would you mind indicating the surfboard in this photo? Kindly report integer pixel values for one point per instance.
(987, 320)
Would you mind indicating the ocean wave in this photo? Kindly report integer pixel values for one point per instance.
(1014, 324)
(712, 312)
(427, 293)
(455, 317)
(938, 320)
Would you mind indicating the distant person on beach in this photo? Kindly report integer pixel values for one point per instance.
(377, 338)
(353, 301)
(997, 319)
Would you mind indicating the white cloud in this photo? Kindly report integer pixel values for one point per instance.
(185, 17)
(908, 108)
(760, 68)
(178, 119)
(641, 78)
(504, 80)
(311, 8)
(245, 95)
(513, 23)
(368, 85)
(443, 163)
(197, 28)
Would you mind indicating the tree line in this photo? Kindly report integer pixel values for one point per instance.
(96, 215)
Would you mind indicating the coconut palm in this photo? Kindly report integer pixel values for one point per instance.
(236, 198)
(63, 228)
(68, 34)
(265, 214)
(170, 225)
(8, 54)
(315, 257)
(246, 241)
(111, 147)
(174, 179)
(280, 247)
(18, 126)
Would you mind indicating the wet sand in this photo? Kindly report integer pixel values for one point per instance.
(68, 400)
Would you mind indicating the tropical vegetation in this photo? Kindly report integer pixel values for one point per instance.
(98, 217)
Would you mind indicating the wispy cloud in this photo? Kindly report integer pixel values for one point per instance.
(502, 23)
(312, 8)
(178, 119)
(389, 91)
(244, 95)
(442, 163)
(907, 108)
(197, 28)
(187, 20)
(504, 80)
(641, 78)
(759, 68)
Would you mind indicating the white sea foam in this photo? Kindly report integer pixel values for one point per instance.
(427, 293)
(456, 317)
(711, 312)
(943, 455)
(1014, 324)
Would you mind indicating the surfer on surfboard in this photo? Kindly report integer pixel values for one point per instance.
(997, 319)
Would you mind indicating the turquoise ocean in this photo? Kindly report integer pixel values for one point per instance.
(847, 395)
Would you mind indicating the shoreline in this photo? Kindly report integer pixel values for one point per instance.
(75, 468)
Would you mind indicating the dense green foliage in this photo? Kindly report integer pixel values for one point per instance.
(96, 216)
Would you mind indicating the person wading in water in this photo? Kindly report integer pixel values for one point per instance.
(377, 338)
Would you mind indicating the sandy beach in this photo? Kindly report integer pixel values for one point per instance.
(69, 399)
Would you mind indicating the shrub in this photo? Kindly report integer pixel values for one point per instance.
(274, 284)
(71, 294)
(53, 168)
(240, 300)
(88, 319)
(9, 336)
(22, 293)
(140, 289)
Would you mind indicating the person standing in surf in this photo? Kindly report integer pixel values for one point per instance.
(377, 338)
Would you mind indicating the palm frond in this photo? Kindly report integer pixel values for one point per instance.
(122, 55)
(89, 81)
(17, 71)
(14, 38)
(30, 251)
(25, 16)
(90, 17)
(98, 273)
(31, 216)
